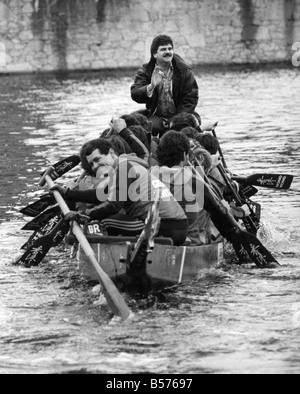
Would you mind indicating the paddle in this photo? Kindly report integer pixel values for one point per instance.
(270, 181)
(41, 246)
(248, 190)
(45, 222)
(149, 140)
(114, 298)
(38, 206)
(251, 222)
(220, 149)
(145, 242)
(60, 168)
(63, 166)
(44, 230)
(40, 220)
(245, 244)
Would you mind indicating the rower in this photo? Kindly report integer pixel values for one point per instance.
(127, 190)
(173, 153)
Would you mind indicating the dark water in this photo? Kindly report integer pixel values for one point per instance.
(234, 320)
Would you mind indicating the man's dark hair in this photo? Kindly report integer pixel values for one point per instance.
(88, 148)
(120, 146)
(171, 149)
(160, 40)
(130, 120)
(182, 120)
(143, 120)
(190, 132)
(209, 142)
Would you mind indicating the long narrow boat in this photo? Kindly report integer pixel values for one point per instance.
(167, 263)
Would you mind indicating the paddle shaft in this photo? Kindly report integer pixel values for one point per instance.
(249, 223)
(114, 298)
(220, 149)
(281, 181)
(149, 140)
(242, 241)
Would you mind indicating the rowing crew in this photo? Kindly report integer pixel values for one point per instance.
(123, 169)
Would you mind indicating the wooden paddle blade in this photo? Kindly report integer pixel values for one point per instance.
(42, 231)
(114, 299)
(248, 191)
(270, 181)
(63, 166)
(59, 169)
(38, 206)
(112, 295)
(38, 250)
(40, 220)
(246, 244)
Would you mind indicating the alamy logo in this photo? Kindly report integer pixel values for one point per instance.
(296, 55)
(2, 55)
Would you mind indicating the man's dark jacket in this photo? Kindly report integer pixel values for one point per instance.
(185, 88)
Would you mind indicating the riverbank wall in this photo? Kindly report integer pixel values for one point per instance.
(51, 35)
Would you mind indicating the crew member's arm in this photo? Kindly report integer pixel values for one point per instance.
(101, 210)
(143, 89)
(136, 146)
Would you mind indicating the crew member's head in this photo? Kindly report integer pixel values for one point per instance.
(173, 149)
(97, 153)
(162, 49)
(182, 120)
(211, 144)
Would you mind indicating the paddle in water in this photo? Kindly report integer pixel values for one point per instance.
(38, 249)
(44, 230)
(60, 168)
(251, 222)
(243, 242)
(40, 220)
(114, 298)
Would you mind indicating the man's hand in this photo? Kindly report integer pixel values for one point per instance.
(226, 205)
(208, 126)
(60, 189)
(157, 77)
(118, 124)
(246, 210)
(78, 217)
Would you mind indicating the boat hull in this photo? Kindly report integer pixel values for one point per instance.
(168, 263)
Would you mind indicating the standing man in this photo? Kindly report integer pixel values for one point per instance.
(166, 85)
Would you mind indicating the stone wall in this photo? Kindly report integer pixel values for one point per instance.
(46, 35)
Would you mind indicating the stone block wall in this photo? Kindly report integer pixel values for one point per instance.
(48, 35)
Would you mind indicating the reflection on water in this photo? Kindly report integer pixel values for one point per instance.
(235, 320)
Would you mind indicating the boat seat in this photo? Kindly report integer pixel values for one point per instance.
(107, 240)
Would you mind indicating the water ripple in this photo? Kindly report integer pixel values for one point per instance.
(236, 319)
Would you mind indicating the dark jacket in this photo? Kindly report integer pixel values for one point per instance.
(185, 87)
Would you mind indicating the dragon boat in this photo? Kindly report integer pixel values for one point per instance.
(166, 263)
